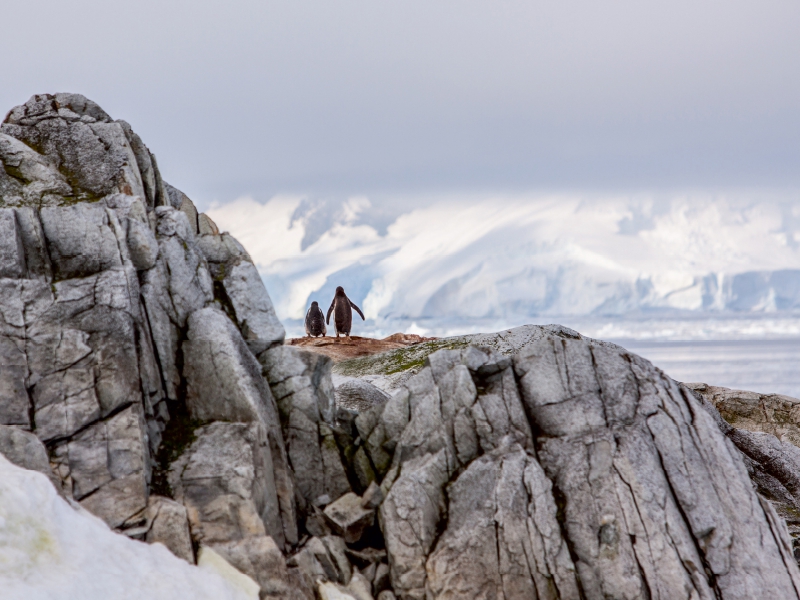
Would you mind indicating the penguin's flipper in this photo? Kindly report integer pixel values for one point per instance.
(330, 310)
(358, 310)
(308, 320)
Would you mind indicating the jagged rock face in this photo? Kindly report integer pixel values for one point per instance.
(577, 470)
(301, 384)
(773, 463)
(776, 414)
(141, 352)
(103, 285)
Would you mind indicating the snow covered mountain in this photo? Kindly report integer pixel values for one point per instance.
(446, 260)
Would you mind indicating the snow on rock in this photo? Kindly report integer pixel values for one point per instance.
(51, 550)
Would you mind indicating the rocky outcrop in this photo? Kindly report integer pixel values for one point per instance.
(772, 462)
(301, 384)
(775, 414)
(123, 320)
(143, 366)
(574, 470)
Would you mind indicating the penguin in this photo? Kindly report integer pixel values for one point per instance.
(315, 321)
(342, 315)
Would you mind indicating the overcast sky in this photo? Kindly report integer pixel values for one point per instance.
(350, 97)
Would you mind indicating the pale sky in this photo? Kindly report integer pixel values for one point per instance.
(352, 97)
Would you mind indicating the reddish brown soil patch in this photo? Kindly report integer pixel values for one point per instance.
(343, 348)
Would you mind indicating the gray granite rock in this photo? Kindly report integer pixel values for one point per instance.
(168, 524)
(225, 479)
(25, 450)
(356, 395)
(244, 292)
(79, 140)
(557, 470)
(260, 558)
(348, 518)
(300, 382)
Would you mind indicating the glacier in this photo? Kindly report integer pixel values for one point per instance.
(445, 263)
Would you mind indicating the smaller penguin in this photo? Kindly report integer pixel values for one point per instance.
(342, 313)
(315, 321)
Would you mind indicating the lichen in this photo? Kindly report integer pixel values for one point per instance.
(401, 360)
(179, 434)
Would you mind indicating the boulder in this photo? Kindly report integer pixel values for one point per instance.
(169, 525)
(776, 414)
(773, 464)
(260, 558)
(223, 379)
(205, 225)
(569, 453)
(356, 395)
(107, 467)
(224, 382)
(226, 481)
(12, 252)
(349, 518)
(25, 450)
(322, 559)
(78, 139)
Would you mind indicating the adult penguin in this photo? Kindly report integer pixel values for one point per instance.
(342, 315)
(315, 321)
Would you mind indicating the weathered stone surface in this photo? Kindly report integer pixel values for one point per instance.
(209, 559)
(15, 406)
(244, 291)
(79, 140)
(261, 559)
(768, 413)
(225, 480)
(205, 225)
(381, 581)
(175, 287)
(80, 239)
(82, 351)
(106, 467)
(175, 196)
(169, 525)
(360, 587)
(12, 252)
(560, 477)
(348, 518)
(300, 382)
(29, 228)
(28, 178)
(25, 450)
(223, 379)
(372, 497)
(323, 559)
(773, 466)
(220, 250)
(330, 591)
(357, 395)
(224, 382)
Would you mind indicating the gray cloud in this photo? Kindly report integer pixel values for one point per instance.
(354, 96)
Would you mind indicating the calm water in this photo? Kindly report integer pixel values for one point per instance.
(766, 366)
